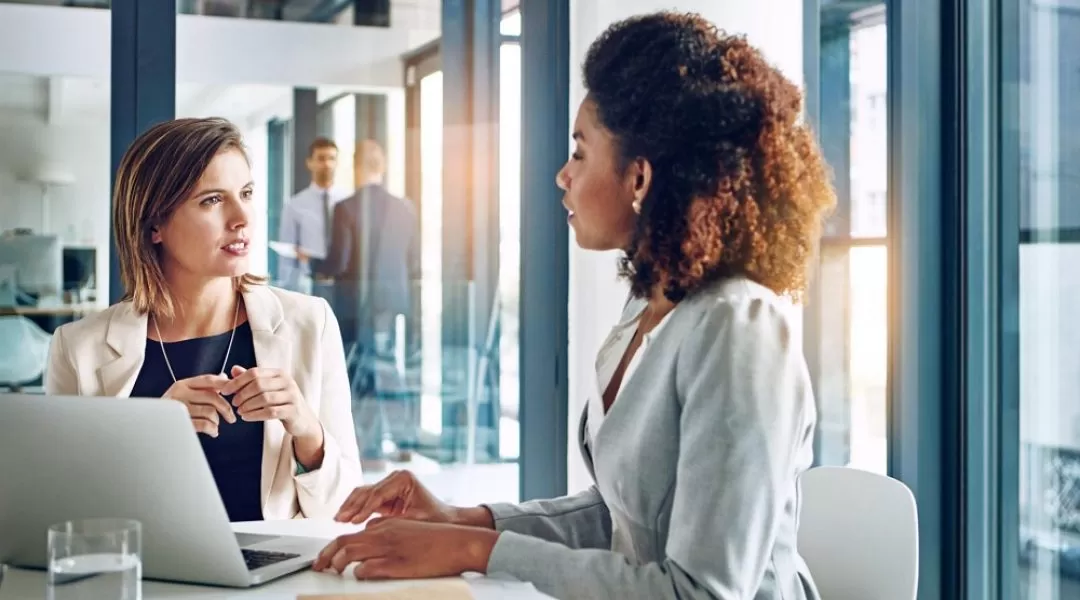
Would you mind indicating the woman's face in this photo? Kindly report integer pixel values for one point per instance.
(208, 234)
(599, 197)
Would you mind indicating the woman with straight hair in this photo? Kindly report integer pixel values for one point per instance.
(261, 370)
(690, 158)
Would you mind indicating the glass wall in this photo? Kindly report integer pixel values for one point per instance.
(469, 344)
(1049, 287)
(54, 180)
(436, 375)
(847, 321)
(354, 108)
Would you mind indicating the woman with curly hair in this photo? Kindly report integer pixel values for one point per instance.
(691, 159)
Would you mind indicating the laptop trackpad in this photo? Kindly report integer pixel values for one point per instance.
(247, 540)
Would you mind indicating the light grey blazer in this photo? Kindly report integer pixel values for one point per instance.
(699, 460)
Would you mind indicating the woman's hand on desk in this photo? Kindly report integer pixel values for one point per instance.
(404, 549)
(204, 403)
(401, 496)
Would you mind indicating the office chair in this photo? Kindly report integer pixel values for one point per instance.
(859, 534)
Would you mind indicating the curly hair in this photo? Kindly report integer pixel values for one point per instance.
(739, 186)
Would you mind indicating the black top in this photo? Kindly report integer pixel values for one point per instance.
(235, 456)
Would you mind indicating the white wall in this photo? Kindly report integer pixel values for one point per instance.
(78, 212)
(241, 69)
(49, 40)
(775, 26)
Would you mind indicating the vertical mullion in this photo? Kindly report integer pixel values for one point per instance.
(1008, 22)
(545, 248)
(918, 297)
(143, 85)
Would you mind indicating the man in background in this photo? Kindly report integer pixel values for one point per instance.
(374, 259)
(307, 220)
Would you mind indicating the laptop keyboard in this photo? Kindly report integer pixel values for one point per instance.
(257, 559)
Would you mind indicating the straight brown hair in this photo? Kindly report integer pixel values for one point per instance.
(157, 173)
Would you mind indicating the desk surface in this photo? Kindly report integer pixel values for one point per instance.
(26, 584)
(82, 308)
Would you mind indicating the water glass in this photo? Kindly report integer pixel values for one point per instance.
(95, 559)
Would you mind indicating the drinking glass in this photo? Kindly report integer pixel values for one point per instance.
(95, 559)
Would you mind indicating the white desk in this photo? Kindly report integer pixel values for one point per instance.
(26, 584)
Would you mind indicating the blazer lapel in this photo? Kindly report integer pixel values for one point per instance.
(273, 350)
(126, 338)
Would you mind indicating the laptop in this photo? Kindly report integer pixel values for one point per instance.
(67, 458)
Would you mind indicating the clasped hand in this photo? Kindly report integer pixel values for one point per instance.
(416, 536)
(257, 395)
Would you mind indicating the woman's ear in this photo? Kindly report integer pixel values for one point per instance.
(642, 172)
(155, 235)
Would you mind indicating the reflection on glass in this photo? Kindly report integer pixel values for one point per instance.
(511, 23)
(869, 144)
(431, 298)
(850, 328)
(54, 209)
(1049, 494)
(868, 270)
(509, 245)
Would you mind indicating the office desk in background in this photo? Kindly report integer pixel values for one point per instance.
(53, 310)
(27, 584)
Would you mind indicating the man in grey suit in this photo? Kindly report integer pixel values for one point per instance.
(374, 260)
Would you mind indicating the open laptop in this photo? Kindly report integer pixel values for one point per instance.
(65, 458)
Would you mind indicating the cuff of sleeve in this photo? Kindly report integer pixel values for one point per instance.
(517, 555)
(501, 512)
(309, 478)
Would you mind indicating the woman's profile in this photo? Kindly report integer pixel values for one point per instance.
(690, 158)
(261, 370)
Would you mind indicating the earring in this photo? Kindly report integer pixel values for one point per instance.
(637, 206)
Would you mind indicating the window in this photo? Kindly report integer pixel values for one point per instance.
(846, 312)
(1049, 290)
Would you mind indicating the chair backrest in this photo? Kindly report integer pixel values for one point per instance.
(859, 534)
(24, 351)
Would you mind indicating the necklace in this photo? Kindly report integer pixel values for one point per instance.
(236, 315)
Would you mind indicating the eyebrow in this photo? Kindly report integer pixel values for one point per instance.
(578, 136)
(221, 191)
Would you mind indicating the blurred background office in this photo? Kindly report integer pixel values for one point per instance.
(939, 332)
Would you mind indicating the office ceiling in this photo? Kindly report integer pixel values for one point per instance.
(61, 99)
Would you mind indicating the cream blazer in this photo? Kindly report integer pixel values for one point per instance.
(101, 355)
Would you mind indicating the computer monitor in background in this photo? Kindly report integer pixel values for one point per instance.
(80, 266)
(38, 261)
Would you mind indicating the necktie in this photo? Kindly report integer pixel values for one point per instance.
(328, 219)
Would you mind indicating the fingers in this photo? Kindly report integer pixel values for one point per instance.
(212, 400)
(204, 411)
(206, 426)
(359, 548)
(277, 412)
(390, 497)
(377, 568)
(206, 382)
(344, 550)
(375, 522)
(354, 509)
(323, 559)
(258, 388)
(245, 377)
(352, 503)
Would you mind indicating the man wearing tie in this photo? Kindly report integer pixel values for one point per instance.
(307, 221)
(374, 259)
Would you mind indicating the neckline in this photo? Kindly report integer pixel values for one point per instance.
(204, 338)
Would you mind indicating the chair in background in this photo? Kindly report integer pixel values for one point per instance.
(859, 534)
(25, 349)
(24, 353)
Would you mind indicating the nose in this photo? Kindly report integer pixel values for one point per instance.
(239, 213)
(562, 179)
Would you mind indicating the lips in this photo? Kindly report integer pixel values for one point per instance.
(236, 246)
